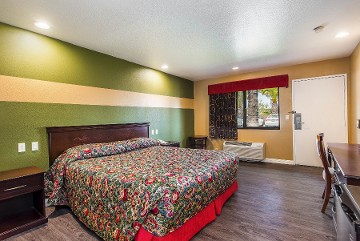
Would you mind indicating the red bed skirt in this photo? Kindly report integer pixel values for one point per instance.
(194, 224)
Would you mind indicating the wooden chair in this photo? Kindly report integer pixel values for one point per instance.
(328, 172)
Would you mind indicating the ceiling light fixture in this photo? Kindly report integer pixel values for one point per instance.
(164, 66)
(42, 25)
(341, 34)
(235, 68)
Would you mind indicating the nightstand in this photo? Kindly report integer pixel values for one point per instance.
(171, 143)
(197, 142)
(22, 200)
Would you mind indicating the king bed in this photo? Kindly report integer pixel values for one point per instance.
(125, 186)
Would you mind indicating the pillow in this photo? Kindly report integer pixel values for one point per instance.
(54, 177)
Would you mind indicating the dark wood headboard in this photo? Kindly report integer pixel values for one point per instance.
(62, 138)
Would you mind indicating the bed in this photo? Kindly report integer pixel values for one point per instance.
(125, 186)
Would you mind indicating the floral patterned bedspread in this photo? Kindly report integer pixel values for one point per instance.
(114, 188)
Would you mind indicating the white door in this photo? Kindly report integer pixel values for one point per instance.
(322, 102)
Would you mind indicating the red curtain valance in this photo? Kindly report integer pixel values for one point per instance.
(250, 84)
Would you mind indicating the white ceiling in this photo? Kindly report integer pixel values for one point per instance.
(198, 39)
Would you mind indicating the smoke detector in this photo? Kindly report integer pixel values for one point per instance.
(319, 28)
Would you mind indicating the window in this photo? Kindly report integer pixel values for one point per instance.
(258, 109)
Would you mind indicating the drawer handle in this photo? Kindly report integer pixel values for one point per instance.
(14, 188)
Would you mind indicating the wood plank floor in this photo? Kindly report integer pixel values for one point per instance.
(274, 202)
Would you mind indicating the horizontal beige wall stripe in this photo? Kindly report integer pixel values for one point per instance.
(30, 90)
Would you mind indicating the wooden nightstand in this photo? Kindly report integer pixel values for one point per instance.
(171, 143)
(197, 142)
(22, 200)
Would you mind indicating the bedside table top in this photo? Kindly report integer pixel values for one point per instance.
(20, 172)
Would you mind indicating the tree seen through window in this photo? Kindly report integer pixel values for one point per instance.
(258, 109)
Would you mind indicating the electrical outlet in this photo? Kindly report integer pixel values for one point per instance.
(152, 132)
(156, 132)
(35, 146)
(21, 147)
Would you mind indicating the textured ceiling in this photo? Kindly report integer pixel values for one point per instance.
(197, 39)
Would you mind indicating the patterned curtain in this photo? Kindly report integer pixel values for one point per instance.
(223, 109)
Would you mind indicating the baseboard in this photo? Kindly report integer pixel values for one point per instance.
(279, 161)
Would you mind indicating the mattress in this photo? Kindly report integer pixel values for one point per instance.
(117, 188)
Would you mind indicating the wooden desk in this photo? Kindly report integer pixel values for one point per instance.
(347, 158)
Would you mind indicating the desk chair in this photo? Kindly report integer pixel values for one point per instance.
(328, 172)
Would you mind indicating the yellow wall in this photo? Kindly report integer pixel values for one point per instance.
(354, 134)
(278, 142)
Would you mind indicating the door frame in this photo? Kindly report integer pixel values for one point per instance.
(346, 114)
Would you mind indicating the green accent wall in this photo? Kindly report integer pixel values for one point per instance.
(30, 55)
(27, 122)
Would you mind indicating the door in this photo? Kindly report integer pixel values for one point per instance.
(321, 103)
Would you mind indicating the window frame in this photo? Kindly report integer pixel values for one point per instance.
(245, 113)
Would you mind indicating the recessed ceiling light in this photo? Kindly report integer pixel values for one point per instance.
(42, 25)
(164, 66)
(342, 34)
(235, 68)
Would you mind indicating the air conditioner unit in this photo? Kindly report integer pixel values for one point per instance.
(249, 151)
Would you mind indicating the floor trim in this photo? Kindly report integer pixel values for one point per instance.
(279, 161)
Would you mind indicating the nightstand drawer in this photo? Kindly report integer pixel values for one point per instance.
(197, 142)
(21, 185)
(22, 200)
